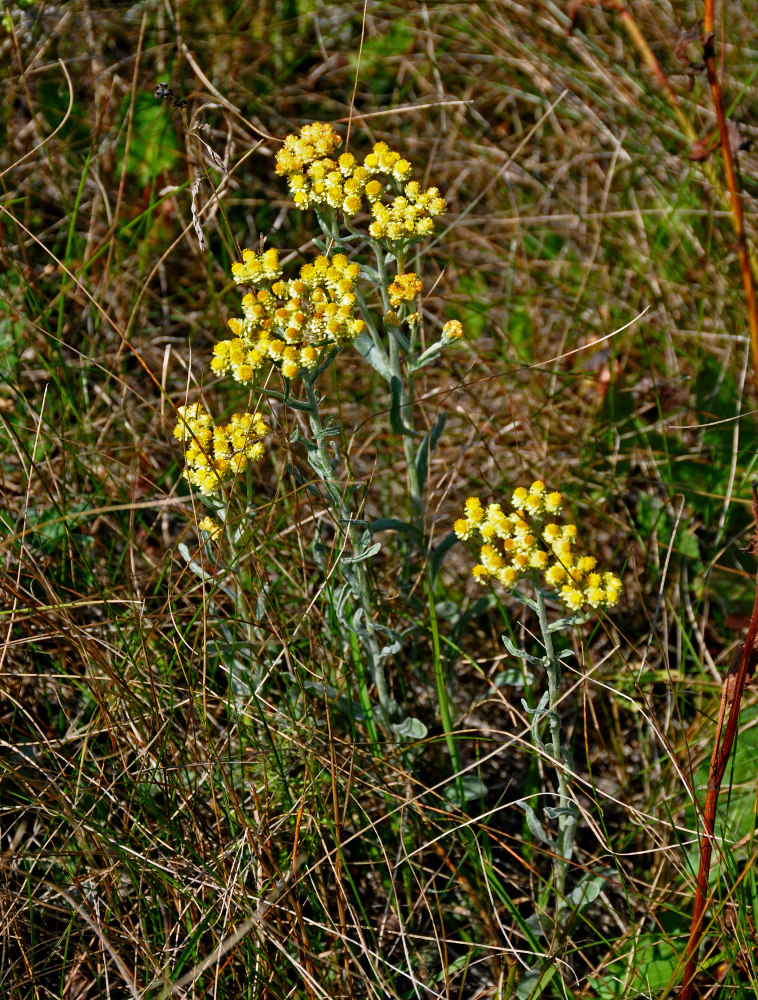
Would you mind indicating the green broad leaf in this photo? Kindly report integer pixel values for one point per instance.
(410, 729)
(645, 967)
(426, 448)
(154, 147)
(469, 786)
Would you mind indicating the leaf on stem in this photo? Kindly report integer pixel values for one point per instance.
(394, 524)
(397, 405)
(371, 353)
(522, 654)
(410, 729)
(536, 828)
(426, 449)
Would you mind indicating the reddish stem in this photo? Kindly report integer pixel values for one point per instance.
(731, 696)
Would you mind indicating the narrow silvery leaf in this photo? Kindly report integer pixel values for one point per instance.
(362, 556)
(398, 404)
(536, 828)
(376, 358)
(522, 654)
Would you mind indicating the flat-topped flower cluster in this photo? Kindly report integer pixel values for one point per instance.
(214, 455)
(525, 540)
(287, 322)
(315, 177)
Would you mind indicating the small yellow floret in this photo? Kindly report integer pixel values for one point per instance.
(452, 330)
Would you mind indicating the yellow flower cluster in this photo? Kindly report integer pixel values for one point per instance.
(211, 528)
(289, 320)
(216, 454)
(404, 288)
(521, 541)
(407, 217)
(315, 177)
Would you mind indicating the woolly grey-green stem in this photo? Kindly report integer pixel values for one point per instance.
(567, 820)
(405, 392)
(342, 510)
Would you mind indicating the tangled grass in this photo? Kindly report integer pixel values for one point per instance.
(198, 796)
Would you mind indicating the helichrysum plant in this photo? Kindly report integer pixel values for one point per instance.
(371, 213)
(528, 545)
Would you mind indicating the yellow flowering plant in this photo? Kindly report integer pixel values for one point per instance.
(376, 203)
(354, 292)
(528, 544)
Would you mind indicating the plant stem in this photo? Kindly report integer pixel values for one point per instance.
(567, 818)
(405, 391)
(341, 505)
(442, 698)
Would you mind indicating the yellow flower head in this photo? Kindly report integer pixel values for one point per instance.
(315, 177)
(211, 528)
(452, 330)
(214, 454)
(288, 322)
(520, 543)
(404, 288)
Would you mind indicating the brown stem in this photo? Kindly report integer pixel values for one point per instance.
(731, 696)
(735, 202)
(648, 56)
(748, 279)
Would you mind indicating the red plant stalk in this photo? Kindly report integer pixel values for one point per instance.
(731, 696)
(642, 46)
(748, 279)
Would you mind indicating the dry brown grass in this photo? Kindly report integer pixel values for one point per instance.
(145, 815)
